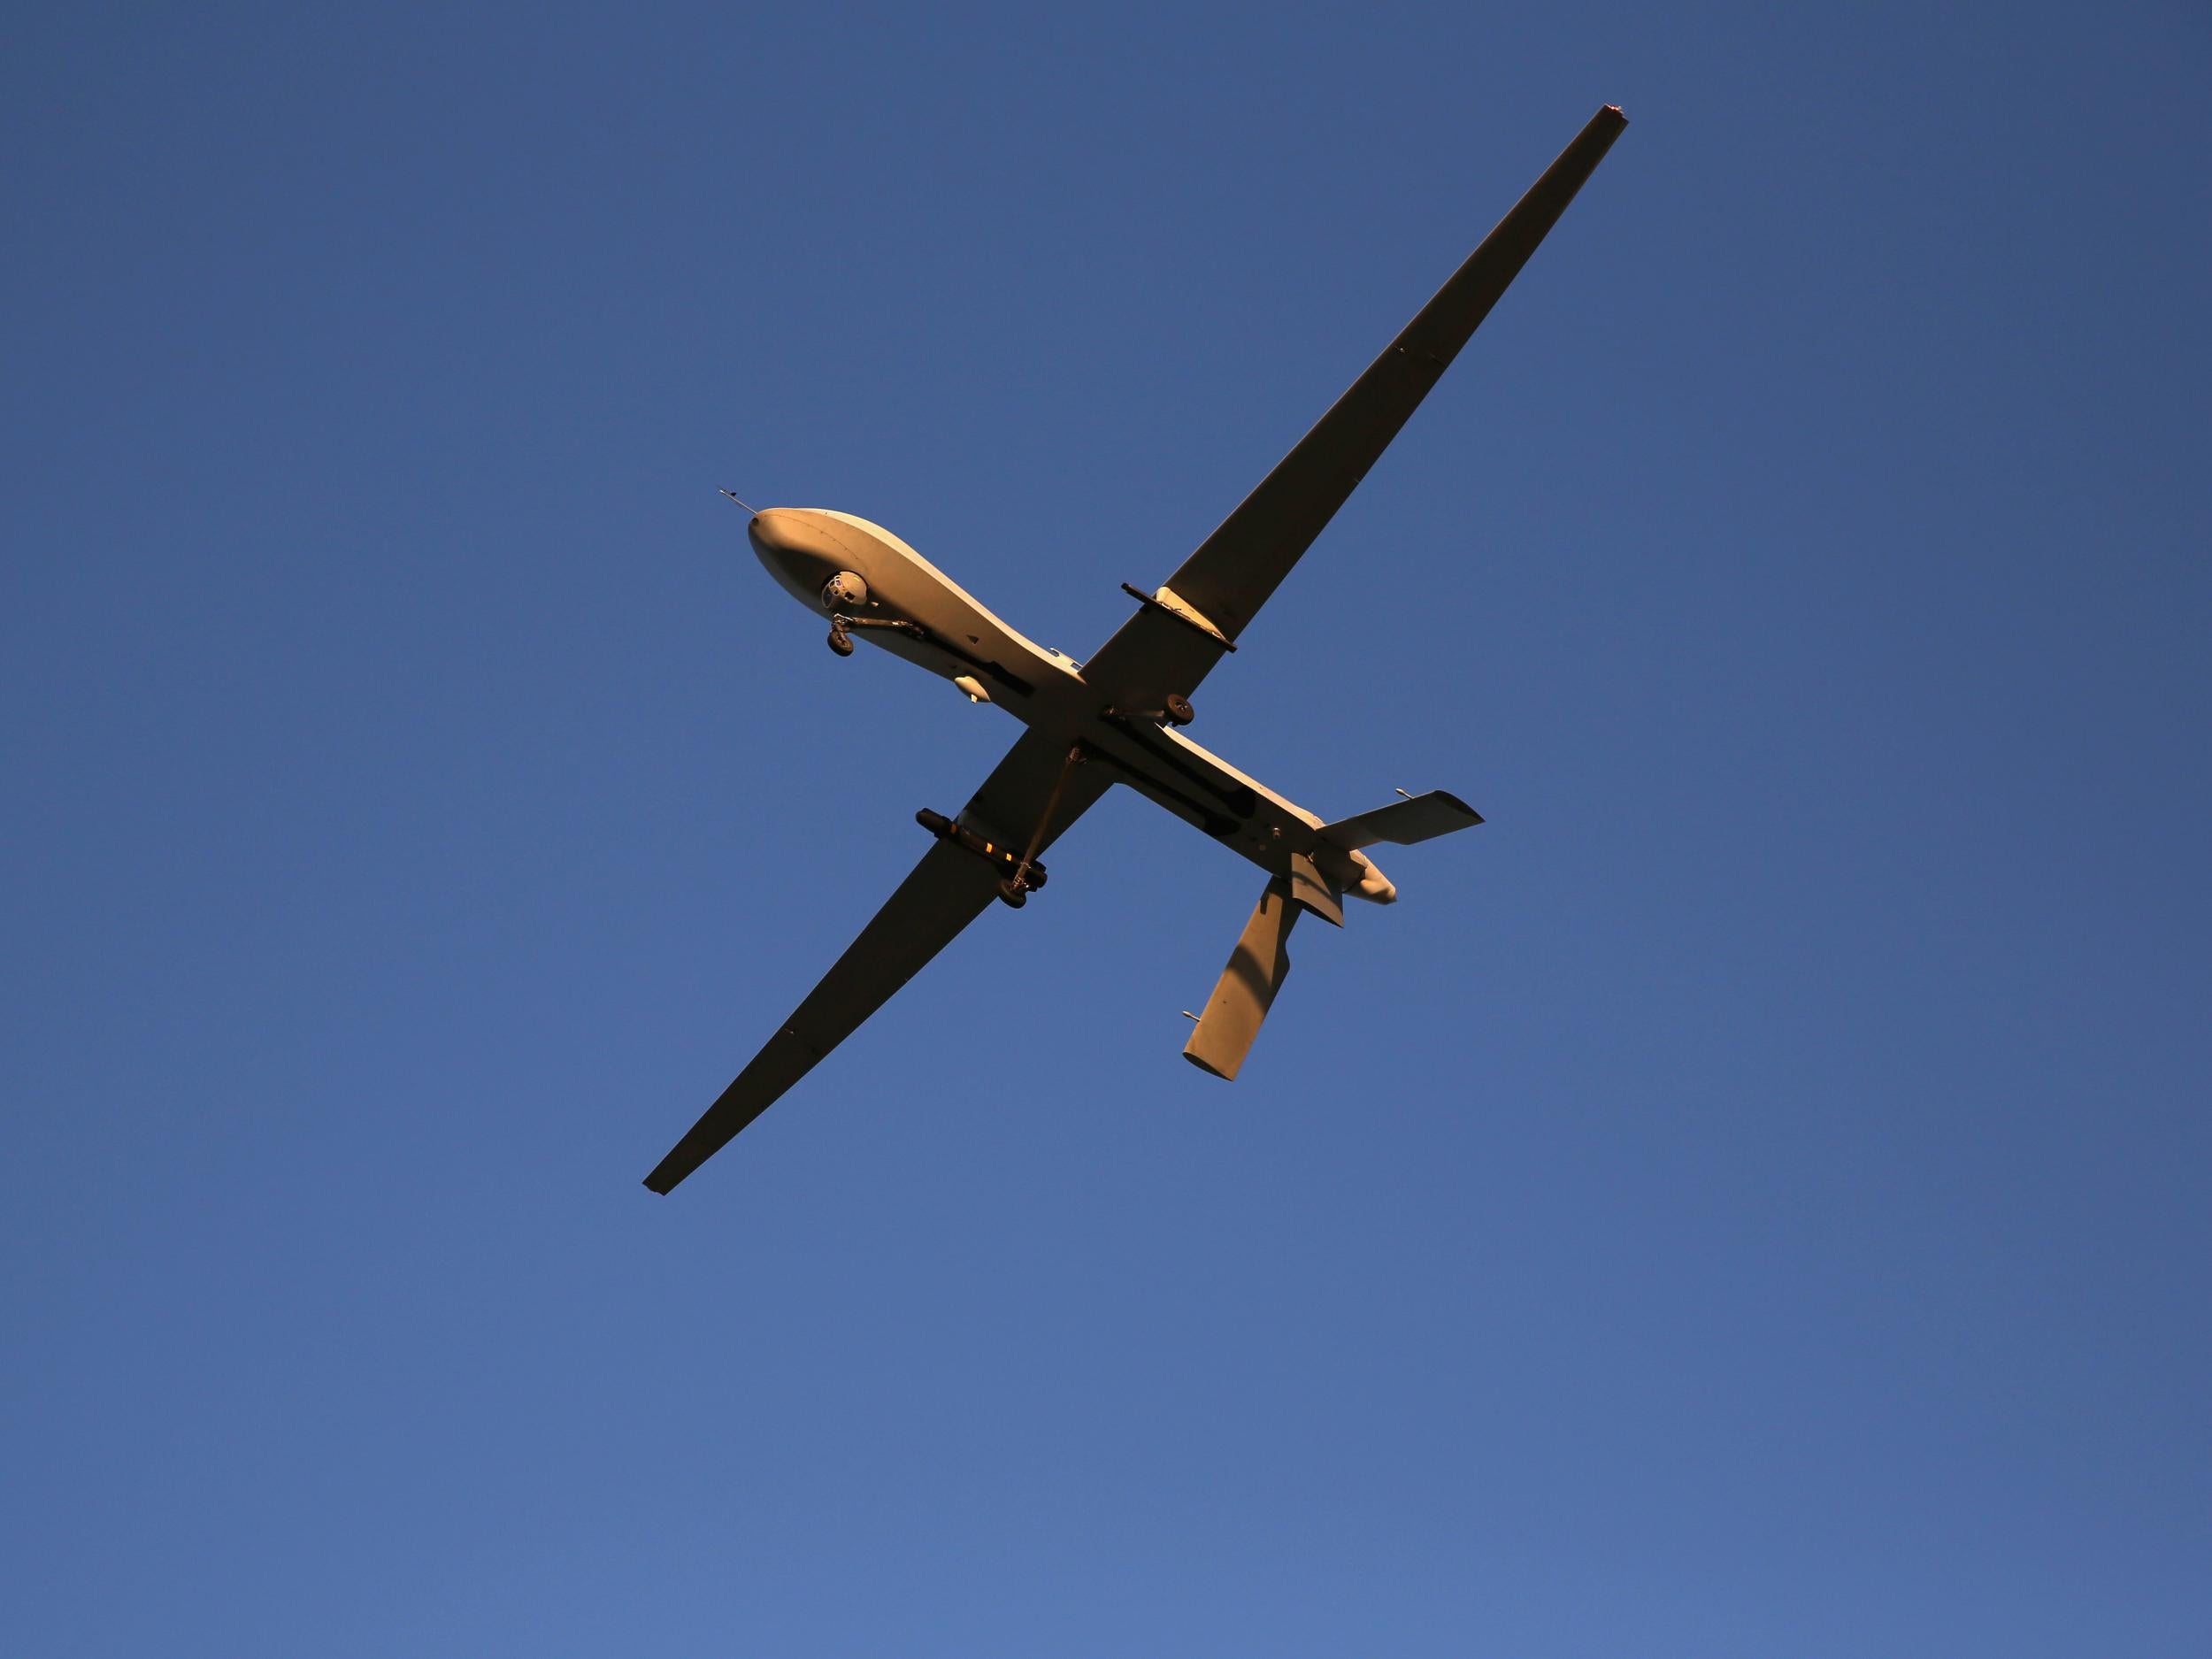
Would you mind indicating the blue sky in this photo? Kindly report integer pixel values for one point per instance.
(1748, 1198)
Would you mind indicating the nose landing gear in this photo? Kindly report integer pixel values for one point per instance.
(840, 638)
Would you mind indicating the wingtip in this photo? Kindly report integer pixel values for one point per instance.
(1457, 804)
(1209, 1068)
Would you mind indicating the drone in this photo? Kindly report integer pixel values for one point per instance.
(1118, 718)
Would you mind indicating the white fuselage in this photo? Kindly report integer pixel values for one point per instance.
(896, 599)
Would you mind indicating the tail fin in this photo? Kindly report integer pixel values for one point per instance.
(1257, 968)
(1261, 962)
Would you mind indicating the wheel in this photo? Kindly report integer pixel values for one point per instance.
(1180, 712)
(841, 643)
(1008, 894)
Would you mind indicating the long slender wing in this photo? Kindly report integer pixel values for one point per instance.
(1170, 644)
(948, 890)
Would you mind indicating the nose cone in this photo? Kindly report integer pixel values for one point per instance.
(796, 546)
(784, 538)
(777, 530)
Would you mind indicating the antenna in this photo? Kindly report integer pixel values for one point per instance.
(747, 505)
(1400, 792)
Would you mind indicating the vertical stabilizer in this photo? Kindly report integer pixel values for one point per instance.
(1256, 970)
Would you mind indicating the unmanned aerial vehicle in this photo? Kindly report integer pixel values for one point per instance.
(1118, 717)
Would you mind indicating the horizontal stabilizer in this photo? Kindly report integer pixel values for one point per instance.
(1256, 970)
(1422, 819)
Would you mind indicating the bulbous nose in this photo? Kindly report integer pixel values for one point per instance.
(775, 530)
(800, 548)
(789, 537)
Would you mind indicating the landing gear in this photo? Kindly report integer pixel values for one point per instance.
(1179, 710)
(840, 640)
(1000, 858)
(1014, 891)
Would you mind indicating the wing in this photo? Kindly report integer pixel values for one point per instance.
(948, 890)
(1183, 630)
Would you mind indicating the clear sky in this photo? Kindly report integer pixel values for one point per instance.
(1749, 1198)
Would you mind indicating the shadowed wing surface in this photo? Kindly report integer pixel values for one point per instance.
(948, 890)
(1157, 653)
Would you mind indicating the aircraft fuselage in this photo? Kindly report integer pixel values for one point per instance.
(890, 596)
